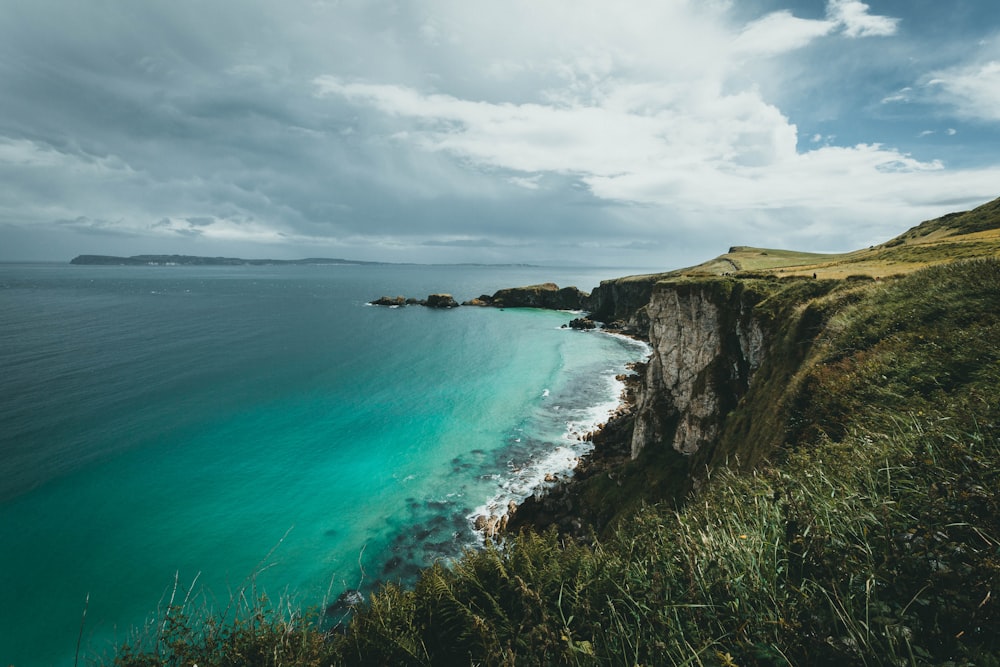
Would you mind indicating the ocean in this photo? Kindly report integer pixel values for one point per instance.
(212, 428)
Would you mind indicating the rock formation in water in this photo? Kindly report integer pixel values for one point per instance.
(545, 295)
(440, 301)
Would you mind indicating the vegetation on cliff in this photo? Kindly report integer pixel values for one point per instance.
(846, 513)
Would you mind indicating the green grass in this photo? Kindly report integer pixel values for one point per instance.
(967, 235)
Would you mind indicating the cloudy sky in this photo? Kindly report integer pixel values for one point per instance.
(648, 133)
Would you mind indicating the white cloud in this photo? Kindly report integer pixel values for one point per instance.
(632, 128)
(902, 95)
(221, 229)
(684, 141)
(857, 22)
(779, 32)
(661, 147)
(973, 90)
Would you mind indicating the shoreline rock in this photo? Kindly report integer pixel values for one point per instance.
(432, 301)
(548, 296)
(556, 503)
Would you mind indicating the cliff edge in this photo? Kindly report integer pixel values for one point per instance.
(736, 343)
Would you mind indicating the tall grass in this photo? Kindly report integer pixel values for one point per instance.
(836, 558)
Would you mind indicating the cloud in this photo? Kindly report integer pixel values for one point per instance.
(660, 146)
(779, 32)
(632, 138)
(972, 90)
(450, 129)
(853, 16)
(782, 31)
(903, 95)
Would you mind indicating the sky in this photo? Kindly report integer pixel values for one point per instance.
(642, 133)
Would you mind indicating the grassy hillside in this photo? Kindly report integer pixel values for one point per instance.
(851, 515)
(967, 235)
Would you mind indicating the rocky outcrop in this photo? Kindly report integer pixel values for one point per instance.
(394, 301)
(621, 303)
(432, 301)
(546, 295)
(441, 301)
(582, 324)
(706, 345)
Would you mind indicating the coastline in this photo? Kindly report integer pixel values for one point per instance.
(551, 500)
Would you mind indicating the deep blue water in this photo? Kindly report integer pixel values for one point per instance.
(213, 425)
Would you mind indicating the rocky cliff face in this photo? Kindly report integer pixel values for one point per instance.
(706, 345)
(623, 300)
(719, 387)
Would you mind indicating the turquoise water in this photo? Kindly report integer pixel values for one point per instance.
(213, 424)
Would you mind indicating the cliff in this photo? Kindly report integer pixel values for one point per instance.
(706, 344)
(731, 376)
(622, 302)
(719, 387)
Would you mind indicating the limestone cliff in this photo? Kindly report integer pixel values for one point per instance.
(707, 342)
(720, 385)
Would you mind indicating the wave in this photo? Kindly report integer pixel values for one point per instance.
(541, 460)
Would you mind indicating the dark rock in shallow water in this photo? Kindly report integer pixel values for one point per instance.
(389, 301)
(583, 324)
(441, 301)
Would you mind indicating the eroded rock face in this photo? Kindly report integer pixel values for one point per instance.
(621, 303)
(706, 345)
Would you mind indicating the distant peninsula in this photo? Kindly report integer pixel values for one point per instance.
(191, 260)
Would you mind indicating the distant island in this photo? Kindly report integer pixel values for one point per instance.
(191, 260)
